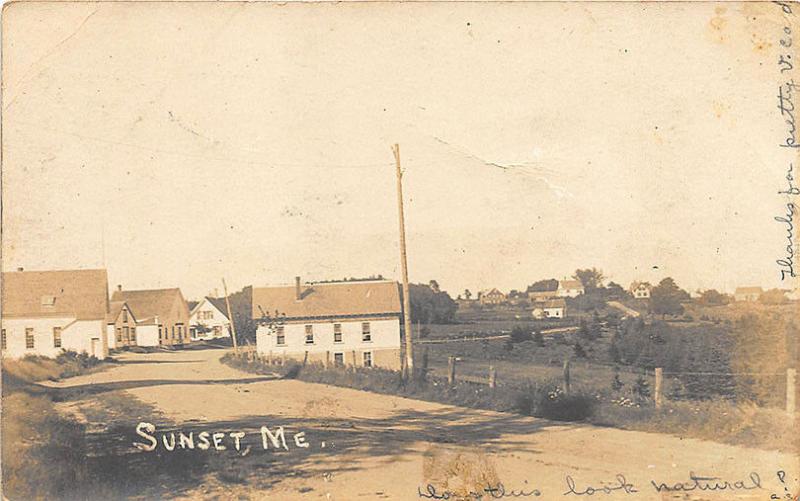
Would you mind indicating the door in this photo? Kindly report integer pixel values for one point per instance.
(96, 347)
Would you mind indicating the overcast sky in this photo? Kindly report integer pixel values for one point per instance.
(179, 143)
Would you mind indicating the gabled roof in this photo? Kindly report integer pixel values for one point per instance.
(491, 291)
(192, 305)
(326, 300)
(555, 303)
(115, 308)
(148, 304)
(636, 285)
(79, 293)
(216, 302)
(749, 290)
(570, 284)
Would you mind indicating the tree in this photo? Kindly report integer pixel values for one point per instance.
(538, 338)
(615, 291)
(712, 297)
(666, 298)
(589, 278)
(518, 335)
(430, 307)
(549, 284)
(242, 309)
(773, 296)
(579, 351)
(434, 285)
(467, 294)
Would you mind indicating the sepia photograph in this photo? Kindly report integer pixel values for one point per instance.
(386, 250)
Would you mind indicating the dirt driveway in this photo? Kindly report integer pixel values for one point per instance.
(369, 446)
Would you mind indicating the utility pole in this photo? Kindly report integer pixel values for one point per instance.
(230, 317)
(409, 367)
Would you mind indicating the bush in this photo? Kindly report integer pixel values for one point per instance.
(547, 400)
(579, 351)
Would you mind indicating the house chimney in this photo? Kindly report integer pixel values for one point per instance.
(20, 269)
(119, 287)
(297, 294)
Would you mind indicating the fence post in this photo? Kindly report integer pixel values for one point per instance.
(327, 359)
(658, 390)
(791, 392)
(492, 377)
(566, 376)
(451, 370)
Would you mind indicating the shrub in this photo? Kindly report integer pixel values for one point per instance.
(538, 338)
(579, 351)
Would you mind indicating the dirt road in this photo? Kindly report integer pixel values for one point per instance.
(368, 446)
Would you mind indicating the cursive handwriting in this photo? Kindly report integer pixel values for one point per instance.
(622, 485)
(787, 108)
(490, 492)
(701, 483)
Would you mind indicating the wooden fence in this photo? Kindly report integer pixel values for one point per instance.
(658, 387)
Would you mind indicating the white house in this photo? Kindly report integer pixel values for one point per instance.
(45, 312)
(554, 308)
(640, 290)
(748, 293)
(569, 288)
(162, 316)
(208, 320)
(345, 323)
(120, 325)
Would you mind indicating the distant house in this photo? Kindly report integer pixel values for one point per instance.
(640, 290)
(491, 297)
(338, 323)
(747, 293)
(208, 319)
(44, 312)
(162, 315)
(552, 308)
(517, 298)
(120, 325)
(569, 288)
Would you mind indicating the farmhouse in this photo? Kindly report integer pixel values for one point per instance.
(640, 290)
(342, 323)
(208, 320)
(45, 312)
(569, 288)
(120, 325)
(491, 297)
(162, 316)
(747, 293)
(553, 308)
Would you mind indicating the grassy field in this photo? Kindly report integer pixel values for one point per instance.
(43, 452)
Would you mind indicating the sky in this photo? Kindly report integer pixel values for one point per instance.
(177, 144)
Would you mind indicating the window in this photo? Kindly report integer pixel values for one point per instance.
(365, 332)
(160, 333)
(119, 334)
(337, 333)
(367, 359)
(172, 332)
(127, 333)
(217, 331)
(48, 300)
(125, 316)
(309, 334)
(133, 335)
(4, 340)
(29, 338)
(338, 359)
(56, 337)
(280, 337)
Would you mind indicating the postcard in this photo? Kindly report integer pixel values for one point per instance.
(400, 250)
